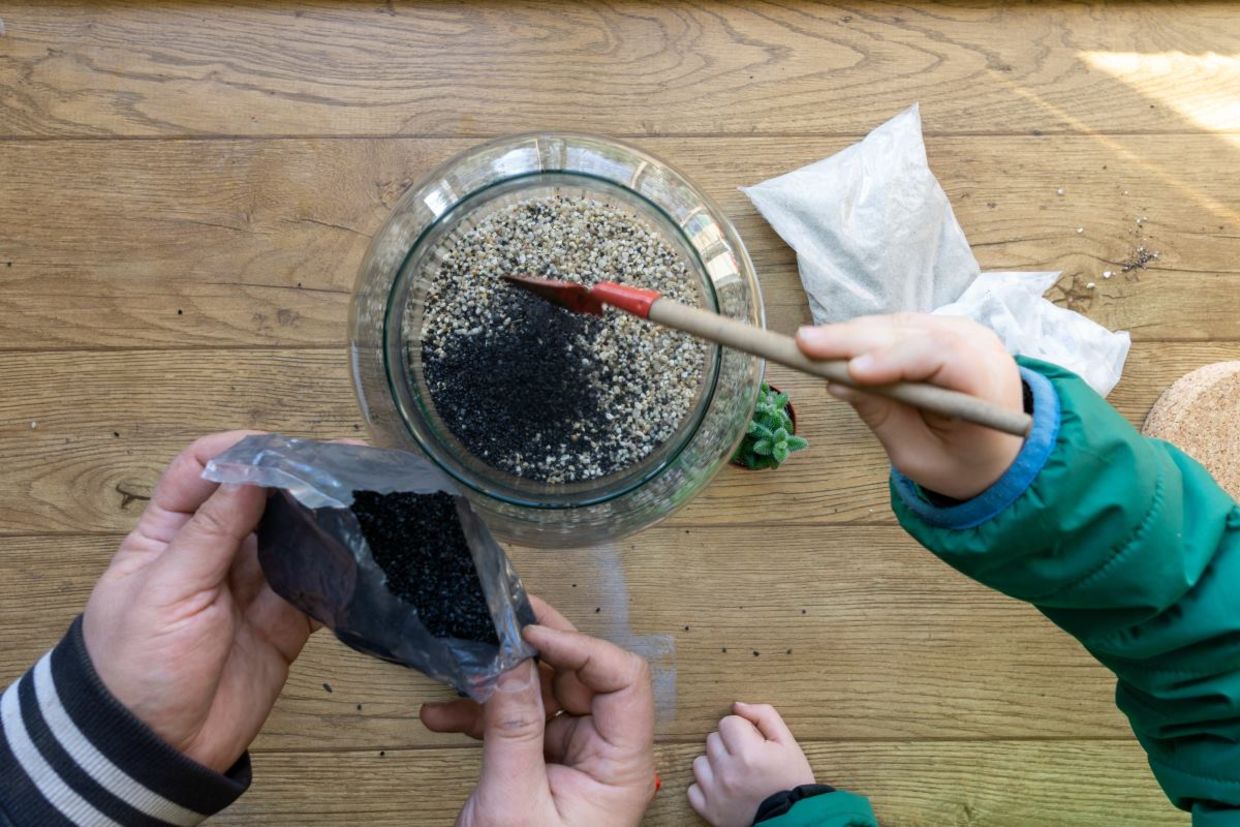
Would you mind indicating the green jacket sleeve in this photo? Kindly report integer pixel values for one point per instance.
(1131, 547)
(834, 809)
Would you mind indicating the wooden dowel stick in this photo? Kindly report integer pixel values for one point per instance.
(783, 350)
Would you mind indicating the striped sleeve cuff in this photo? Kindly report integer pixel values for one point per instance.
(71, 754)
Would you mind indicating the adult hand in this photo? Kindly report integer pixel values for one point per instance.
(182, 627)
(749, 758)
(946, 455)
(568, 743)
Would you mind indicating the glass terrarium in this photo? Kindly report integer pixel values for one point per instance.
(389, 306)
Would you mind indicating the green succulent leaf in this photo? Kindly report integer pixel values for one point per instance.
(760, 430)
(770, 435)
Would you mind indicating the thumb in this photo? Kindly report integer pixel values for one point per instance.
(202, 552)
(513, 766)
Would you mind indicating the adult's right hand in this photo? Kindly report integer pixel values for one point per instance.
(565, 744)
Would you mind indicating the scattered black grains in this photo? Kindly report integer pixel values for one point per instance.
(686, 628)
(533, 389)
(180, 312)
(756, 653)
(789, 652)
(724, 650)
(382, 753)
(327, 687)
(418, 542)
(598, 609)
(359, 707)
(1139, 259)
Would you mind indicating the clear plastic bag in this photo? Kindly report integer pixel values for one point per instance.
(875, 233)
(315, 555)
(1011, 304)
(873, 230)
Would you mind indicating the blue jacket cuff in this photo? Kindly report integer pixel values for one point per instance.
(1005, 491)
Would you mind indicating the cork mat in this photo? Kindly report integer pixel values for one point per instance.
(1200, 414)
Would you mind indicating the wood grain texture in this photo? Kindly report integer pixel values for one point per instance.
(188, 188)
(919, 784)
(230, 243)
(859, 633)
(105, 424)
(631, 68)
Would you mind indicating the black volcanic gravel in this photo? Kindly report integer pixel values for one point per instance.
(547, 388)
(532, 389)
(418, 542)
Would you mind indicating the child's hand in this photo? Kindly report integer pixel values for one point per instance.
(948, 456)
(568, 743)
(182, 628)
(751, 757)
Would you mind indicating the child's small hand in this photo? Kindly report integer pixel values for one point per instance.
(751, 757)
(949, 456)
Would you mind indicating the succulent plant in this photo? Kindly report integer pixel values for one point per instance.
(772, 433)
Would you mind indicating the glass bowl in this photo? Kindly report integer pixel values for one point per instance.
(388, 306)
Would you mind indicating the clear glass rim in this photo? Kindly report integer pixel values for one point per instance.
(393, 333)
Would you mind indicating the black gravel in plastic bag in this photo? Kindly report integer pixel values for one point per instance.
(418, 542)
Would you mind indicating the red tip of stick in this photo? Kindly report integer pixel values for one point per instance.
(635, 300)
(575, 297)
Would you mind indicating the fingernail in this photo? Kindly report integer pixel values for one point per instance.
(230, 487)
(810, 334)
(517, 678)
(864, 362)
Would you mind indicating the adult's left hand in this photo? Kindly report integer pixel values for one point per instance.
(182, 628)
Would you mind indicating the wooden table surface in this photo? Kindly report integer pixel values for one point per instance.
(187, 190)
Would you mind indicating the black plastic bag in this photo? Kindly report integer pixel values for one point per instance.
(315, 555)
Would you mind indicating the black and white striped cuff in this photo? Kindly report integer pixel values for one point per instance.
(71, 754)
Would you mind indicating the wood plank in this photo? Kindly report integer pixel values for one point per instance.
(107, 422)
(923, 784)
(227, 243)
(369, 68)
(881, 643)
